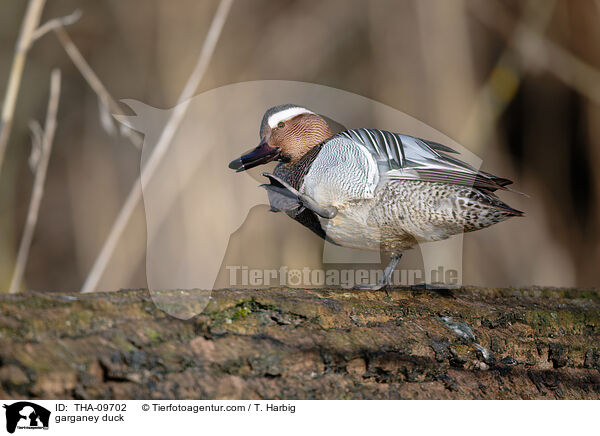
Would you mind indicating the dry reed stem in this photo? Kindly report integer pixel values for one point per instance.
(67, 20)
(534, 47)
(504, 80)
(92, 79)
(160, 149)
(28, 27)
(38, 183)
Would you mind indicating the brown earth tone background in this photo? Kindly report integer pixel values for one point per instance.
(516, 82)
(471, 343)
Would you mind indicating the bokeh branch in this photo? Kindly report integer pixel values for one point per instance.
(531, 45)
(28, 27)
(505, 78)
(161, 147)
(92, 79)
(43, 146)
(56, 23)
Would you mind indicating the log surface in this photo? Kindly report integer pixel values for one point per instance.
(470, 343)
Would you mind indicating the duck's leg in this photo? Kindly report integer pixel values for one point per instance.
(385, 281)
(386, 278)
(277, 185)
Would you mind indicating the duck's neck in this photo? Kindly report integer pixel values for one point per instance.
(294, 171)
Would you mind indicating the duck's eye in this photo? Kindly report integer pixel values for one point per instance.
(281, 124)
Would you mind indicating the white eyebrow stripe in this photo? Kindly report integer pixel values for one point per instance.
(286, 114)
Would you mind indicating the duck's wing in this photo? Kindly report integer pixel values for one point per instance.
(403, 157)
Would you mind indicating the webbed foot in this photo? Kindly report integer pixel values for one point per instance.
(385, 281)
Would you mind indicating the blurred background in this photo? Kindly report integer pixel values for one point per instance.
(516, 82)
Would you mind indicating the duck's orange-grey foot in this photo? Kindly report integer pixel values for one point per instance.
(385, 281)
(278, 185)
(439, 288)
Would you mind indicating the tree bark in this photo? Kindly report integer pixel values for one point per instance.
(471, 343)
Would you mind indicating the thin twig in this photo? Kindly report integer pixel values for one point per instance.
(94, 82)
(38, 183)
(505, 78)
(30, 23)
(37, 141)
(567, 67)
(161, 147)
(56, 23)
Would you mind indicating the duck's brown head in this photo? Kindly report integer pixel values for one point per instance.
(287, 132)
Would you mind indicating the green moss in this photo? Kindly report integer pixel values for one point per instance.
(154, 336)
(572, 321)
(242, 313)
(121, 342)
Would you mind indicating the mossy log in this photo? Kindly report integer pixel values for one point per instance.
(470, 343)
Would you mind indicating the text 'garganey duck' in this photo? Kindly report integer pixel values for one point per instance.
(371, 189)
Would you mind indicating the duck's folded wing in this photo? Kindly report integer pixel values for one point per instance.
(403, 157)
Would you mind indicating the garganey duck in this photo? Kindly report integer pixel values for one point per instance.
(369, 188)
